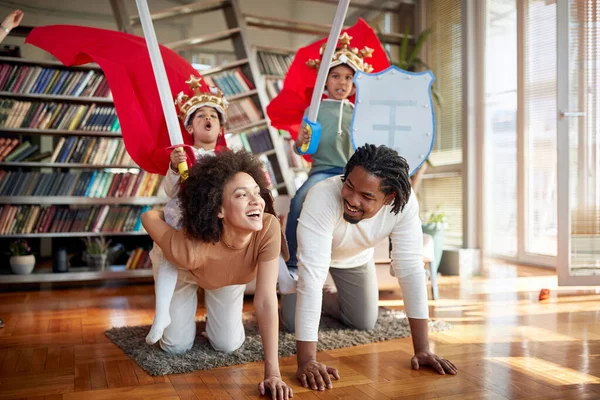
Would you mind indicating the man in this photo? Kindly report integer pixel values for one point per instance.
(343, 218)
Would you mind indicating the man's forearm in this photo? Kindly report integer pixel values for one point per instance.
(306, 351)
(420, 334)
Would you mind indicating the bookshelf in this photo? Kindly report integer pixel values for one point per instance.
(45, 275)
(273, 63)
(64, 171)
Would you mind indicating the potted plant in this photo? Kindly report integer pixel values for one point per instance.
(435, 226)
(96, 251)
(22, 260)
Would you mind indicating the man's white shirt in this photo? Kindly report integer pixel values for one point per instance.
(326, 240)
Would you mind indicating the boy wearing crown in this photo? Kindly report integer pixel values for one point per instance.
(204, 116)
(335, 145)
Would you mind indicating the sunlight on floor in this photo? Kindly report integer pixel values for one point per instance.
(546, 370)
(476, 333)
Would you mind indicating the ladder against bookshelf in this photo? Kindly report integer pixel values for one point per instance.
(64, 171)
(238, 81)
(273, 64)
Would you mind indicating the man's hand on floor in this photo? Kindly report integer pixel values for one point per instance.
(441, 365)
(315, 375)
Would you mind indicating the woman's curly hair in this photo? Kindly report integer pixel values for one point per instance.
(201, 195)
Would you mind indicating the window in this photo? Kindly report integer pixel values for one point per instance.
(444, 57)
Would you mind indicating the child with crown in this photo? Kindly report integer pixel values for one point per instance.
(203, 115)
(335, 145)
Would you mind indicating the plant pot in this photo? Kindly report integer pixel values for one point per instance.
(22, 265)
(96, 261)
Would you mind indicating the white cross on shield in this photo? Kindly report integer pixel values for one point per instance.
(394, 108)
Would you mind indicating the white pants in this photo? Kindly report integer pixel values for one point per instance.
(224, 326)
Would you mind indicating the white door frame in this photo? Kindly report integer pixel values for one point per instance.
(564, 114)
(521, 256)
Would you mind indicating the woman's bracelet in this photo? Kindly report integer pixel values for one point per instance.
(5, 29)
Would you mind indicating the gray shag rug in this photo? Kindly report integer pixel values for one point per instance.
(333, 334)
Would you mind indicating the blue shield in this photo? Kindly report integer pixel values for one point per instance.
(394, 108)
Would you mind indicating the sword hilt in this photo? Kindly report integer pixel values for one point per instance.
(182, 167)
(314, 133)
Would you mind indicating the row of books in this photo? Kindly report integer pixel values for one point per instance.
(269, 171)
(294, 159)
(92, 184)
(51, 115)
(271, 63)
(274, 87)
(83, 150)
(93, 117)
(257, 141)
(91, 150)
(12, 151)
(139, 259)
(230, 82)
(242, 112)
(31, 79)
(49, 219)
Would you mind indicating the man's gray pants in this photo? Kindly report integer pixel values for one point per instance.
(355, 303)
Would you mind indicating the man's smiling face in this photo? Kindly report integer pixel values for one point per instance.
(362, 195)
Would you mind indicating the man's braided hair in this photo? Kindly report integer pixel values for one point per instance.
(384, 163)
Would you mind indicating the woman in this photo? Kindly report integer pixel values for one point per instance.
(228, 238)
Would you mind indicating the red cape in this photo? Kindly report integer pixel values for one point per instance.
(287, 109)
(125, 61)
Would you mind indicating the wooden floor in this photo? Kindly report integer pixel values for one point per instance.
(506, 344)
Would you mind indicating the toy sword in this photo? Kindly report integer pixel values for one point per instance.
(312, 126)
(162, 82)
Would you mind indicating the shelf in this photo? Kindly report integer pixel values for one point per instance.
(50, 97)
(35, 164)
(85, 274)
(70, 234)
(73, 200)
(301, 169)
(239, 96)
(16, 60)
(216, 70)
(266, 153)
(365, 6)
(247, 127)
(274, 77)
(31, 131)
(290, 25)
(202, 40)
(182, 11)
(280, 50)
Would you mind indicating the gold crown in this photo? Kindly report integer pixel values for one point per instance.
(187, 105)
(350, 56)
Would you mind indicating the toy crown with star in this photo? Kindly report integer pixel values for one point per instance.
(350, 56)
(187, 105)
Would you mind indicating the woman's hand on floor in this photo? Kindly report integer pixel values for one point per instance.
(278, 388)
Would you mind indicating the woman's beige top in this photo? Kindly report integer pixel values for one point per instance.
(215, 265)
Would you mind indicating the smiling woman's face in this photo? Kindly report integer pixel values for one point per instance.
(243, 206)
